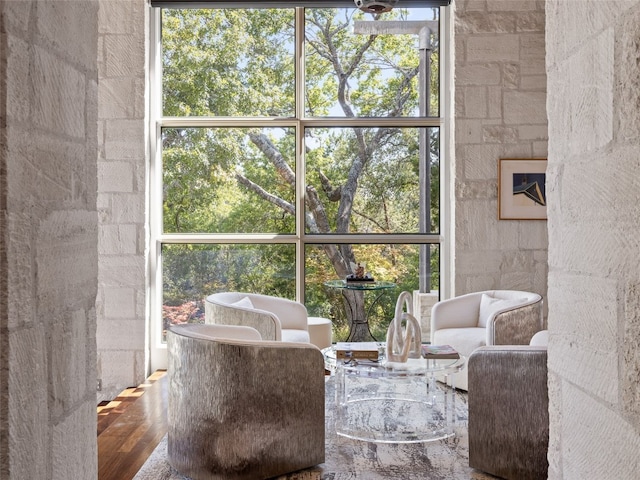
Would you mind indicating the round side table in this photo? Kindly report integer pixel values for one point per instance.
(359, 330)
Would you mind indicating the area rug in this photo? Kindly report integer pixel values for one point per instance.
(347, 459)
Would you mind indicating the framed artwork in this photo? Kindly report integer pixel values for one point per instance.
(522, 193)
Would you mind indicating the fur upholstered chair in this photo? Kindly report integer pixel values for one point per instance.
(509, 411)
(491, 317)
(240, 407)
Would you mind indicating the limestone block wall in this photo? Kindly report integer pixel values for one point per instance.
(48, 237)
(500, 95)
(594, 238)
(121, 196)
(422, 305)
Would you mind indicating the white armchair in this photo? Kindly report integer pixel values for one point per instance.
(275, 318)
(491, 317)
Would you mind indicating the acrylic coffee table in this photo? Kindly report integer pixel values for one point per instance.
(389, 402)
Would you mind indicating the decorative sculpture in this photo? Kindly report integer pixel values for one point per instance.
(403, 342)
(359, 273)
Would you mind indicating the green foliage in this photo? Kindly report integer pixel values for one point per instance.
(228, 62)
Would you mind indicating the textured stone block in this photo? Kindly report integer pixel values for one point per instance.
(583, 183)
(532, 56)
(534, 82)
(123, 335)
(510, 75)
(628, 84)
(475, 102)
(119, 302)
(494, 48)
(473, 216)
(591, 99)
(473, 74)
(513, 5)
(120, 271)
(478, 263)
(118, 17)
(21, 306)
(124, 55)
(630, 369)
(115, 177)
(499, 134)
(480, 167)
(17, 16)
(422, 305)
(117, 98)
(18, 100)
(525, 107)
(530, 22)
(28, 423)
(469, 131)
(69, 28)
(118, 239)
(124, 140)
(595, 443)
(494, 97)
(69, 370)
(127, 208)
(532, 132)
(476, 189)
(116, 367)
(533, 235)
(585, 333)
(71, 458)
(483, 22)
(60, 105)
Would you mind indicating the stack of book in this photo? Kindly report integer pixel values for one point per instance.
(439, 352)
(357, 350)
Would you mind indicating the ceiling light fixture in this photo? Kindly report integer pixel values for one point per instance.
(375, 6)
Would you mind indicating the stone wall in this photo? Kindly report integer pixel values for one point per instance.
(594, 238)
(500, 94)
(121, 196)
(48, 237)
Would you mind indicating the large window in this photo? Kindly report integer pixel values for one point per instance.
(289, 144)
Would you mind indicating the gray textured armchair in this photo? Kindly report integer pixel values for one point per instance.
(509, 411)
(240, 407)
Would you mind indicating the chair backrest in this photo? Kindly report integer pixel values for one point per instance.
(530, 297)
(220, 333)
(494, 302)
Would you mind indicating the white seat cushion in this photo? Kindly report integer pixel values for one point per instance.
(291, 335)
(464, 340)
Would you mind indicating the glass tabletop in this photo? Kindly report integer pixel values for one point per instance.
(375, 285)
(385, 368)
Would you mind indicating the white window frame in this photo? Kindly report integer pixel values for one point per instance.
(156, 348)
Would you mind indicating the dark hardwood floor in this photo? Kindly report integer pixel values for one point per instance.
(130, 427)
